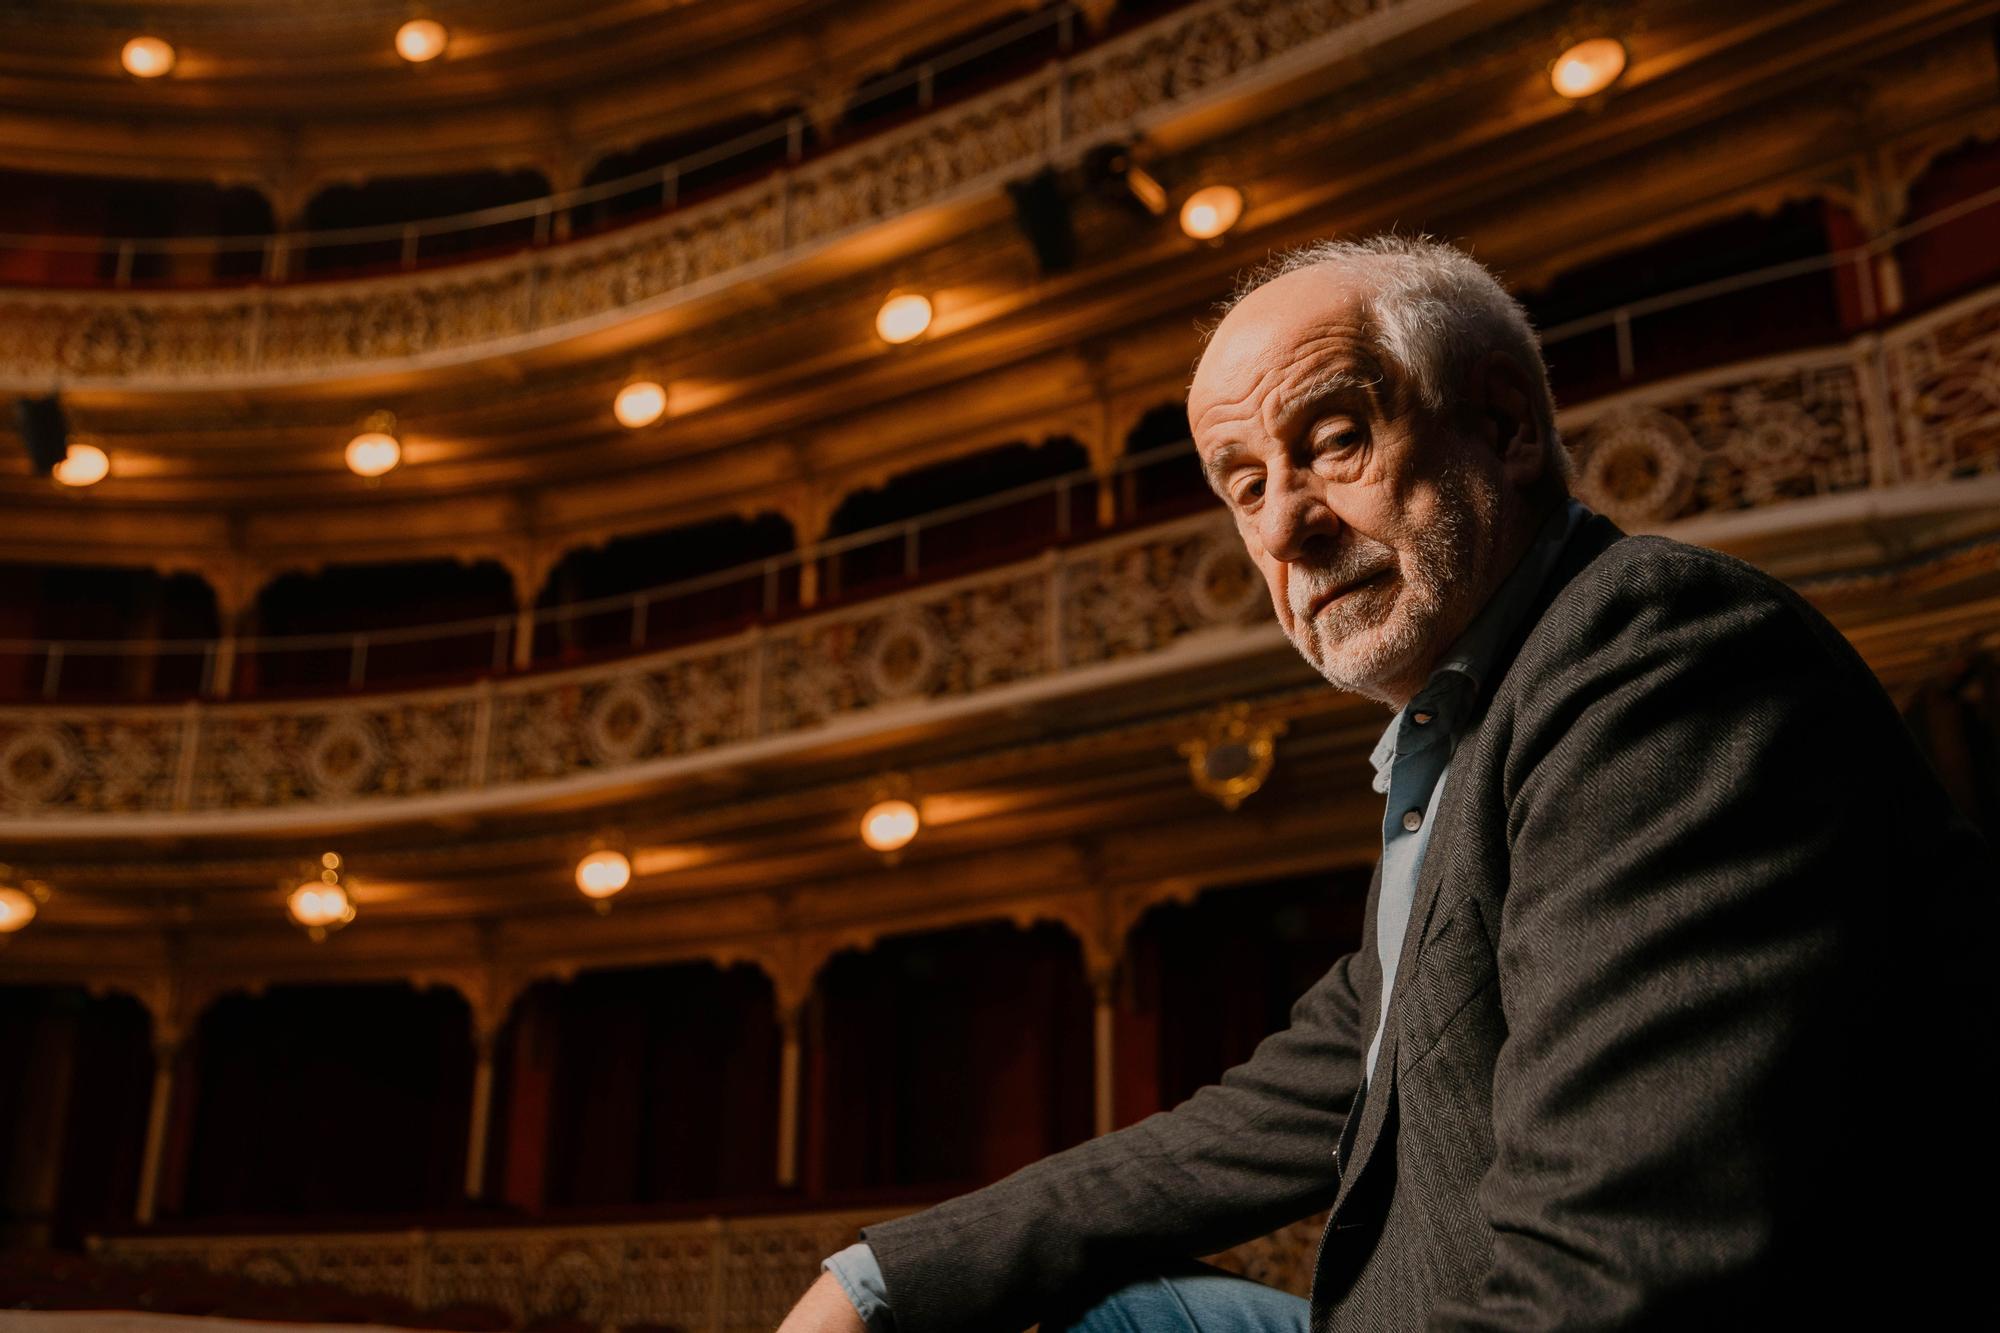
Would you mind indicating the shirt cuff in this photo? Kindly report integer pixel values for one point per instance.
(855, 1269)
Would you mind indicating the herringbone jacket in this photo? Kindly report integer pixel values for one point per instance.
(1694, 1024)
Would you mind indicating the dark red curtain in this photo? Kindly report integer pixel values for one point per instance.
(1956, 256)
(1208, 981)
(315, 1100)
(946, 1060)
(664, 1087)
(75, 1078)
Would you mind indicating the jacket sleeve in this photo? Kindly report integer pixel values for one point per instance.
(1699, 794)
(1234, 1161)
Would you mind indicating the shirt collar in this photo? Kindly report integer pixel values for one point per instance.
(1469, 661)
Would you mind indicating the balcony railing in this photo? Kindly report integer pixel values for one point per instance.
(1912, 407)
(1148, 486)
(288, 333)
(722, 1275)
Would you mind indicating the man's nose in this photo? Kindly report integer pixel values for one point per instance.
(1294, 519)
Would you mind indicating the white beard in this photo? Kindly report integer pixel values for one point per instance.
(1378, 634)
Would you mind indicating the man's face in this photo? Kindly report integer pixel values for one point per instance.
(1374, 523)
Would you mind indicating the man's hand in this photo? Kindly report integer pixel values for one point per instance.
(823, 1309)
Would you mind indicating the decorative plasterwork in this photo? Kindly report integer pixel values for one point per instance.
(1231, 758)
(736, 1275)
(284, 335)
(1114, 609)
(1917, 407)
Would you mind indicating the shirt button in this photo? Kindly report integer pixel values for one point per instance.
(1421, 719)
(1413, 820)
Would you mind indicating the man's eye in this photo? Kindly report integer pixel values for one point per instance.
(1339, 439)
(1252, 489)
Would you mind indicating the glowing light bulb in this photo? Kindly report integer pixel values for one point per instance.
(376, 449)
(420, 40)
(17, 909)
(902, 318)
(639, 403)
(890, 825)
(147, 57)
(83, 465)
(1588, 67)
(317, 905)
(603, 873)
(1210, 212)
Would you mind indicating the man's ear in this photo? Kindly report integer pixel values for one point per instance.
(1508, 403)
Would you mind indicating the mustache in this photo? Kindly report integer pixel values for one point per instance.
(1307, 585)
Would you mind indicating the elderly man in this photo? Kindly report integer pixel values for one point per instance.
(1668, 1011)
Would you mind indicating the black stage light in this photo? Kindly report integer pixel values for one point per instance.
(1041, 208)
(1110, 167)
(44, 432)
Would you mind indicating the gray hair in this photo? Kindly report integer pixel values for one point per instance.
(1435, 312)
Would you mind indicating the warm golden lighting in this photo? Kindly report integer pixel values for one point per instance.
(321, 905)
(889, 825)
(420, 40)
(1210, 212)
(147, 57)
(1588, 67)
(376, 449)
(639, 403)
(904, 317)
(83, 465)
(17, 909)
(603, 873)
(1146, 188)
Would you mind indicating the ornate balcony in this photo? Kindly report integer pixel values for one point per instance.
(1191, 62)
(1829, 464)
(727, 1275)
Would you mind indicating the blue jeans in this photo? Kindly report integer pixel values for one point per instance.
(1190, 1298)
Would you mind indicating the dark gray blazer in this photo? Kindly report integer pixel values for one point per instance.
(1696, 1027)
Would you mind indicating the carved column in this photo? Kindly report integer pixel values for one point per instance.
(527, 564)
(235, 586)
(1102, 985)
(166, 1055)
(482, 1116)
(789, 1060)
(809, 508)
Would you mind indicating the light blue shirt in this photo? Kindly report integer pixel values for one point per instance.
(1411, 761)
(1414, 755)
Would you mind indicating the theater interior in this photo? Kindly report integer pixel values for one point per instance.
(613, 657)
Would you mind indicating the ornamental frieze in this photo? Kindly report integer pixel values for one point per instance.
(1919, 405)
(265, 335)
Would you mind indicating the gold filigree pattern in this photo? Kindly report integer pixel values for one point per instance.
(1732, 439)
(265, 335)
(736, 1274)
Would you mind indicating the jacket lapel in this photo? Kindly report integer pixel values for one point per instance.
(1589, 540)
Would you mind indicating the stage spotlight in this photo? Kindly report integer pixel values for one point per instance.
(1041, 209)
(147, 57)
(903, 317)
(376, 449)
(1112, 165)
(85, 465)
(322, 905)
(44, 432)
(640, 403)
(1588, 68)
(1210, 212)
(420, 40)
(603, 873)
(890, 825)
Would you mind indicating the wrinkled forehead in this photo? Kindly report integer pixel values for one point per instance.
(1304, 320)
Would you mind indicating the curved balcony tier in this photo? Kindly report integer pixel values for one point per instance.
(1839, 468)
